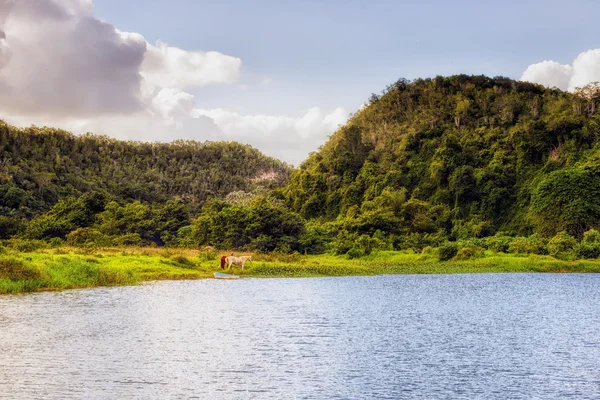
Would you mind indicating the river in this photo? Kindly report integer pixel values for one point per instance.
(472, 336)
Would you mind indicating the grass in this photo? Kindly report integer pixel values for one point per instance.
(67, 268)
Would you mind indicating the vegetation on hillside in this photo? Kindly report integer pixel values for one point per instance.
(465, 164)
(457, 158)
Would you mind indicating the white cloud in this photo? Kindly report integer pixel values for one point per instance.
(288, 138)
(585, 69)
(549, 73)
(167, 66)
(56, 58)
(60, 66)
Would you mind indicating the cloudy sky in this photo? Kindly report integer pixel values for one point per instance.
(279, 75)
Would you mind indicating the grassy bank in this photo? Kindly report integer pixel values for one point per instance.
(66, 268)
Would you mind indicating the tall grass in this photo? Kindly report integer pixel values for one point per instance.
(64, 267)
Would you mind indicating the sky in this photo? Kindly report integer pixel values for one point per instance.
(279, 75)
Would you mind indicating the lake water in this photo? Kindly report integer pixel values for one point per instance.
(503, 336)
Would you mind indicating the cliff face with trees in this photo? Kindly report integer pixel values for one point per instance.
(458, 157)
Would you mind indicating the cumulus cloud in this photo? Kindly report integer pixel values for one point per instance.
(585, 69)
(56, 57)
(288, 138)
(60, 66)
(63, 61)
(167, 66)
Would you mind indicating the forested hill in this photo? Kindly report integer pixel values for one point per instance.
(40, 166)
(462, 156)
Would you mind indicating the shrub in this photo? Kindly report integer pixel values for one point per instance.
(343, 243)
(447, 251)
(591, 236)
(427, 250)
(130, 239)
(355, 252)
(55, 242)
(498, 243)
(367, 244)
(15, 269)
(183, 262)
(587, 250)
(562, 245)
(467, 253)
(88, 237)
(26, 245)
(208, 255)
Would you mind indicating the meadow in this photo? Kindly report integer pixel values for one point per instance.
(68, 268)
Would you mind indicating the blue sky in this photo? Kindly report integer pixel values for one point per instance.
(279, 75)
(335, 53)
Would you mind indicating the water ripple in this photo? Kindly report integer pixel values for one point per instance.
(495, 336)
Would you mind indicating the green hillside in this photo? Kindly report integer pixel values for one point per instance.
(458, 157)
(463, 162)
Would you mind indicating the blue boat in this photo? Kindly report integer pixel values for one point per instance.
(221, 275)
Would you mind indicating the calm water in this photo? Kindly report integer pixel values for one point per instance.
(504, 336)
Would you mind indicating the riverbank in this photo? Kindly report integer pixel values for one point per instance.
(68, 268)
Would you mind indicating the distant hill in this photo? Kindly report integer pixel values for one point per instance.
(40, 166)
(460, 156)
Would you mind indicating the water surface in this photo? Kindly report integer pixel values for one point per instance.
(504, 336)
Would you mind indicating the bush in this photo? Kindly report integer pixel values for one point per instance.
(498, 243)
(467, 253)
(367, 244)
(55, 242)
(14, 269)
(208, 255)
(591, 236)
(183, 262)
(343, 243)
(130, 239)
(355, 252)
(561, 246)
(427, 250)
(26, 245)
(587, 250)
(447, 251)
(88, 237)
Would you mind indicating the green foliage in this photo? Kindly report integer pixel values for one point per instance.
(567, 200)
(129, 239)
(562, 245)
(42, 166)
(55, 242)
(589, 247)
(468, 253)
(498, 243)
(447, 251)
(208, 255)
(466, 156)
(26, 245)
(454, 158)
(15, 269)
(263, 226)
(88, 237)
(527, 245)
(183, 261)
(10, 226)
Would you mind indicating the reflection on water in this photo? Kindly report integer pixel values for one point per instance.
(430, 336)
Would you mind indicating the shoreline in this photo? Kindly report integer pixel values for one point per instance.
(74, 268)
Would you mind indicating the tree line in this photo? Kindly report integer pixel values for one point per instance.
(428, 163)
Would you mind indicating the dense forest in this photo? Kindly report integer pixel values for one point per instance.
(482, 162)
